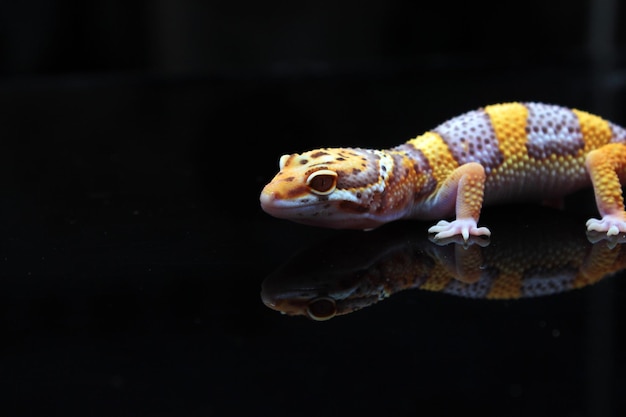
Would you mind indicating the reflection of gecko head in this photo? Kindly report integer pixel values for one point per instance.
(355, 269)
(299, 295)
(339, 275)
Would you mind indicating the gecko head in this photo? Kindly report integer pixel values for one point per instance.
(332, 187)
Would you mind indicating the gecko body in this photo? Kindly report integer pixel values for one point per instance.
(500, 153)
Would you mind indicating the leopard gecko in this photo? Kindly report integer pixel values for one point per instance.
(500, 153)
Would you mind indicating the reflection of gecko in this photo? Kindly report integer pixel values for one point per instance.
(503, 152)
(355, 270)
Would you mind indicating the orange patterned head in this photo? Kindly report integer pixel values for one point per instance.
(340, 188)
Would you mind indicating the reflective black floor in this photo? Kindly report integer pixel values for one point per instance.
(139, 275)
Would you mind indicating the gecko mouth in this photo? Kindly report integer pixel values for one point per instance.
(281, 208)
(317, 213)
(292, 210)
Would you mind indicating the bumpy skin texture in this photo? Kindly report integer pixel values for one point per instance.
(500, 153)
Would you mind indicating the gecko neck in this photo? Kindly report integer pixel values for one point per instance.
(419, 181)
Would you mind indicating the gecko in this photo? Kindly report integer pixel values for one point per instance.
(501, 153)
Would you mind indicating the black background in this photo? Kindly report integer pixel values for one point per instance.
(135, 139)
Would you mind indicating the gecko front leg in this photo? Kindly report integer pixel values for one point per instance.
(464, 188)
(606, 166)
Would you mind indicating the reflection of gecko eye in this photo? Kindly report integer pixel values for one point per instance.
(322, 308)
(322, 182)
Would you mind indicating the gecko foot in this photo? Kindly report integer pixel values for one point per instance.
(463, 227)
(612, 224)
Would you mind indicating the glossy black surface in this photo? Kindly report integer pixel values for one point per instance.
(133, 248)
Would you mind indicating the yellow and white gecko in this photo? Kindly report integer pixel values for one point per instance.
(499, 153)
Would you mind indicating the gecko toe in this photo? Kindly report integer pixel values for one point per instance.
(609, 224)
(463, 227)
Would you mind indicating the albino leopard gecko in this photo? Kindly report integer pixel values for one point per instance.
(499, 153)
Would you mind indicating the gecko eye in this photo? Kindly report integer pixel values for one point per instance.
(322, 308)
(322, 182)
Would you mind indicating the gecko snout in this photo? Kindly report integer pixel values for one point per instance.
(267, 197)
(271, 201)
